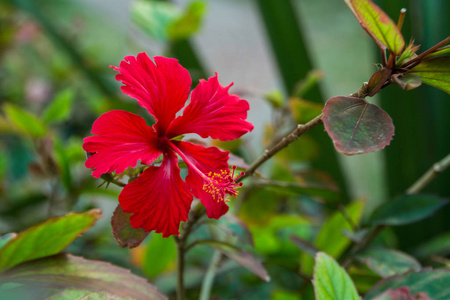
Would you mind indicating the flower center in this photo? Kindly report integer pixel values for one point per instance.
(219, 185)
(222, 185)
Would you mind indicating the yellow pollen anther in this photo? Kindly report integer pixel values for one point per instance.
(221, 185)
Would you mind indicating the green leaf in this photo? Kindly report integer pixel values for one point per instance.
(330, 238)
(440, 51)
(331, 282)
(275, 98)
(304, 111)
(375, 21)
(388, 262)
(59, 109)
(259, 205)
(407, 81)
(435, 72)
(154, 17)
(158, 254)
(356, 126)
(272, 234)
(3, 161)
(189, 22)
(165, 21)
(24, 121)
(60, 154)
(406, 209)
(125, 235)
(70, 277)
(6, 238)
(303, 86)
(47, 238)
(304, 150)
(439, 245)
(435, 283)
(407, 54)
(244, 258)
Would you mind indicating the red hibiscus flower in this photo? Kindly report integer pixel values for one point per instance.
(159, 199)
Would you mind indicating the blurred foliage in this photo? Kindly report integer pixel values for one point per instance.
(55, 81)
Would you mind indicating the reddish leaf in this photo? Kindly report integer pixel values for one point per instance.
(356, 126)
(70, 277)
(237, 161)
(435, 72)
(124, 234)
(377, 80)
(375, 21)
(304, 245)
(401, 293)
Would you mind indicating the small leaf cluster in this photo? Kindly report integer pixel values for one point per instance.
(357, 126)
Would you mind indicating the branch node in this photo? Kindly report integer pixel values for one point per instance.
(362, 92)
(437, 168)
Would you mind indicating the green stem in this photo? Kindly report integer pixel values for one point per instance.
(426, 178)
(208, 280)
(180, 268)
(181, 240)
(346, 216)
(362, 245)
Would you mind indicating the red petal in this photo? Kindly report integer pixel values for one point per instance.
(122, 139)
(159, 199)
(213, 112)
(162, 88)
(206, 160)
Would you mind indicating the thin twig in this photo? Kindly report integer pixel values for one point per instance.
(291, 137)
(362, 245)
(426, 178)
(208, 280)
(346, 216)
(401, 18)
(196, 214)
(180, 268)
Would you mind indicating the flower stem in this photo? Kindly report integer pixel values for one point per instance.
(181, 240)
(180, 269)
(361, 245)
(426, 178)
(208, 280)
